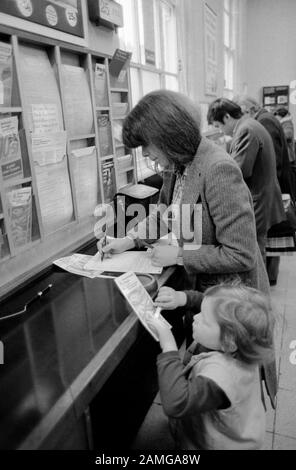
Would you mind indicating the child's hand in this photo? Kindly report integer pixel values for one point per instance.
(165, 336)
(169, 299)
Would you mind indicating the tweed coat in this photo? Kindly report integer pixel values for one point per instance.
(218, 205)
(253, 150)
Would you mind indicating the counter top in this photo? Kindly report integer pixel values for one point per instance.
(60, 352)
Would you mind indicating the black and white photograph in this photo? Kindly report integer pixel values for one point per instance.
(150, 141)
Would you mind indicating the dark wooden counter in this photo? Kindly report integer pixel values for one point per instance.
(57, 356)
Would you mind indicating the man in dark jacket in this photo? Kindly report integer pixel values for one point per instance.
(252, 149)
(251, 107)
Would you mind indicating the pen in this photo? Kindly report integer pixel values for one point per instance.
(104, 240)
(37, 296)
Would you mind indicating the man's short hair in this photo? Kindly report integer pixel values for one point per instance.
(222, 106)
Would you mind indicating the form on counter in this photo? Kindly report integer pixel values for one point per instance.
(134, 261)
(139, 299)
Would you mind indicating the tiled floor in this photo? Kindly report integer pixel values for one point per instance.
(281, 423)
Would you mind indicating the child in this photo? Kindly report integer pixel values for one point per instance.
(214, 402)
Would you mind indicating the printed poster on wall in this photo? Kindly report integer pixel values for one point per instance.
(210, 41)
(62, 15)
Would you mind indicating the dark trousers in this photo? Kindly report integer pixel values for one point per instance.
(272, 267)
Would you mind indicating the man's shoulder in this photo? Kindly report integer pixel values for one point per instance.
(268, 118)
(210, 152)
(252, 128)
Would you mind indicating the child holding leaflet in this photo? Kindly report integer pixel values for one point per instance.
(214, 400)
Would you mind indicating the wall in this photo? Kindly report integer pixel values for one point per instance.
(271, 45)
(102, 39)
(191, 14)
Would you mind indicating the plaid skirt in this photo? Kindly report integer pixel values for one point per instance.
(281, 244)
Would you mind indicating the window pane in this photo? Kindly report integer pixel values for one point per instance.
(128, 34)
(171, 83)
(230, 72)
(135, 85)
(226, 30)
(227, 5)
(151, 81)
(168, 37)
(147, 33)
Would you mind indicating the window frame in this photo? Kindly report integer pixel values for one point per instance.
(143, 168)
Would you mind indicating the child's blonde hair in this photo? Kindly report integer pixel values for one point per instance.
(246, 321)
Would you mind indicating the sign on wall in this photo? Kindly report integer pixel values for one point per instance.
(210, 43)
(275, 97)
(65, 16)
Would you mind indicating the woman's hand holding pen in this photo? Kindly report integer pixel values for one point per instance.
(169, 299)
(109, 245)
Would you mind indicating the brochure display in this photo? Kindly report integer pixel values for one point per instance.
(10, 151)
(41, 98)
(101, 86)
(60, 147)
(5, 74)
(109, 183)
(53, 183)
(85, 169)
(105, 134)
(78, 107)
(20, 215)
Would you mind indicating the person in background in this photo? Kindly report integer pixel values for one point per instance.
(206, 185)
(285, 119)
(285, 176)
(213, 400)
(252, 149)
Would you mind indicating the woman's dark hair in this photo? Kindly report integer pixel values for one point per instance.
(168, 120)
(281, 112)
(222, 106)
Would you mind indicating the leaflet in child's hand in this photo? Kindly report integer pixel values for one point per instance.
(139, 299)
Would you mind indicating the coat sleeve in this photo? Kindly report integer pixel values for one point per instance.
(231, 213)
(277, 141)
(194, 299)
(244, 150)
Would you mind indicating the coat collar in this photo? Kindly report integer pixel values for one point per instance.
(192, 186)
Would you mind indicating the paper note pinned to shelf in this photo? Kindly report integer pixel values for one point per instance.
(134, 261)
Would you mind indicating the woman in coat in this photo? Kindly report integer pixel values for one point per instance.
(204, 200)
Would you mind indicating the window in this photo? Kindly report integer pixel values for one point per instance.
(229, 47)
(150, 33)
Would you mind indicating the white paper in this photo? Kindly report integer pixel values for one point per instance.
(39, 83)
(78, 106)
(54, 192)
(85, 170)
(49, 148)
(134, 261)
(139, 299)
(20, 215)
(45, 118)
(75, 264)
